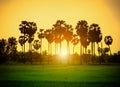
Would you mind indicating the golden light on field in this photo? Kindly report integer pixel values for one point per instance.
(46, 12)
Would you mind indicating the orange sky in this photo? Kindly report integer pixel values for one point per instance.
(46, 12)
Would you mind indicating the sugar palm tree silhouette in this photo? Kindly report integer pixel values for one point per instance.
(41, 36)
(94, 35)
(108, 41)
(12, 43)
(82, 30)
(36, 44)
(50, 38)
(23, 30)
(75, 40)
(31, 29)
(59, 29)
(28, 29)
(22, 40)
(3, 44)
(67, 35)
(85, 42)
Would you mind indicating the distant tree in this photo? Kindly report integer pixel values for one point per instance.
(3, 50)
(3, 44)
(108, 41)
(31, 30)
(59, 29)
(75, 41)
(50, 38)
(22, 40)
(94, 36)
(85, 42)
(12, 43)
(82, 30)
(41, 36)
(67, 35)
(28, 29)
(23, 30)
(36, 44)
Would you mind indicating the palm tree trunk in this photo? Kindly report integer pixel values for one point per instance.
(51, 48)
(92, 51)
(94, 48)
(73, 48)
(41, 46)
(99, 53)
(83, 49)
(60, 48)
(48, 48)
(24, 44)
(110, 50)
(68, 50)
(56, 49)
(80, 49)
(29, 47)
(86, 50)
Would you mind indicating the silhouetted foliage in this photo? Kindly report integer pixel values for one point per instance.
(108, 41)
(60, 31)
(41, 36)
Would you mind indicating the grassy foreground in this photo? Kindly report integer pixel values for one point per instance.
(59, 75)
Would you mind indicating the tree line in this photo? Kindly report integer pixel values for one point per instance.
(82, 34)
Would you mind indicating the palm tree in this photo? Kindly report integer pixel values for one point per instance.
(75, 41)
(59, 29)
(28, 29)
(12, 43)
(3, 50)
(85, 42)
(67, 35)
(22, 40)
(50, 38)
(31, 30)
(41, 36)
(36, 44)
(94, 36)
(82, 30)
(23, 30)
(3, 44)
(108, 41)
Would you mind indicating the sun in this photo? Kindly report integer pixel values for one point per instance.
(64, 52)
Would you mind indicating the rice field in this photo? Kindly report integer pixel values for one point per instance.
(59, 75)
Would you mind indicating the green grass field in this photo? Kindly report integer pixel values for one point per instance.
(59, 76)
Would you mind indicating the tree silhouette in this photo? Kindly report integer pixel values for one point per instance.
(94, 36)
(28, 29)
(23, 30)
(22, 40)
(59, 29)
(85, 42)
(36, 44)
(3, 50)
(67, 35)
(41, 36)
(108, 41)
(50, 38)
(3, 44)
(82, 30)
(75, 41)
(12, 43)
(31, 29)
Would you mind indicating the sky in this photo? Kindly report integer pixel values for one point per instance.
(45, 13)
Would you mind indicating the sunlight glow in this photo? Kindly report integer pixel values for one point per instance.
(46, 12)
(64, 52)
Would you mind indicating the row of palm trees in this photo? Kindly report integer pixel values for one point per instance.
(8, 46)
(60, 31)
